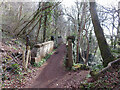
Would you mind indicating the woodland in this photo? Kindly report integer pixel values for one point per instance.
(49, 45)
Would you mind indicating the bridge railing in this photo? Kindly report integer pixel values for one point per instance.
(39, 51)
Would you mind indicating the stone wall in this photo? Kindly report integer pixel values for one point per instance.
(39, 51)
(60, 41)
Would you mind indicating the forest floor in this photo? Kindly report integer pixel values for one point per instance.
(53, 74)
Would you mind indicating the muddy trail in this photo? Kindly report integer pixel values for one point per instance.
(54, 75)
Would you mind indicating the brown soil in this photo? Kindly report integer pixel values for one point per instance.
(53, 74)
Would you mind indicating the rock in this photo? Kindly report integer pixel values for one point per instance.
(2, 50)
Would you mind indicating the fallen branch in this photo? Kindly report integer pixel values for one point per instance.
(37, 14)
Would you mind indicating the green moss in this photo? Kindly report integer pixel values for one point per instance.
(43, 60)
(80, 67)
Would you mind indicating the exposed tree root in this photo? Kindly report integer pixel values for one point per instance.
(112, 64)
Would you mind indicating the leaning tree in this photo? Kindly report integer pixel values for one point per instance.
(104, 48)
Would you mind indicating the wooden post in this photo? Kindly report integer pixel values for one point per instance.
(26, 54)
(23, 57)
(70, 60)
(27, 57)
(27, 43)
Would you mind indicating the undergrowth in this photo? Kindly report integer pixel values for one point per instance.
(79, 66)
(43, 60)
(110, 80)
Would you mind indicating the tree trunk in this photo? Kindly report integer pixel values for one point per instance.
(38, 30)
(118, 31)
(104, 48)
(80, 23)
(87, 54)
(44, 31)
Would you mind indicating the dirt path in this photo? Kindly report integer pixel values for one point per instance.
(53, 74)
